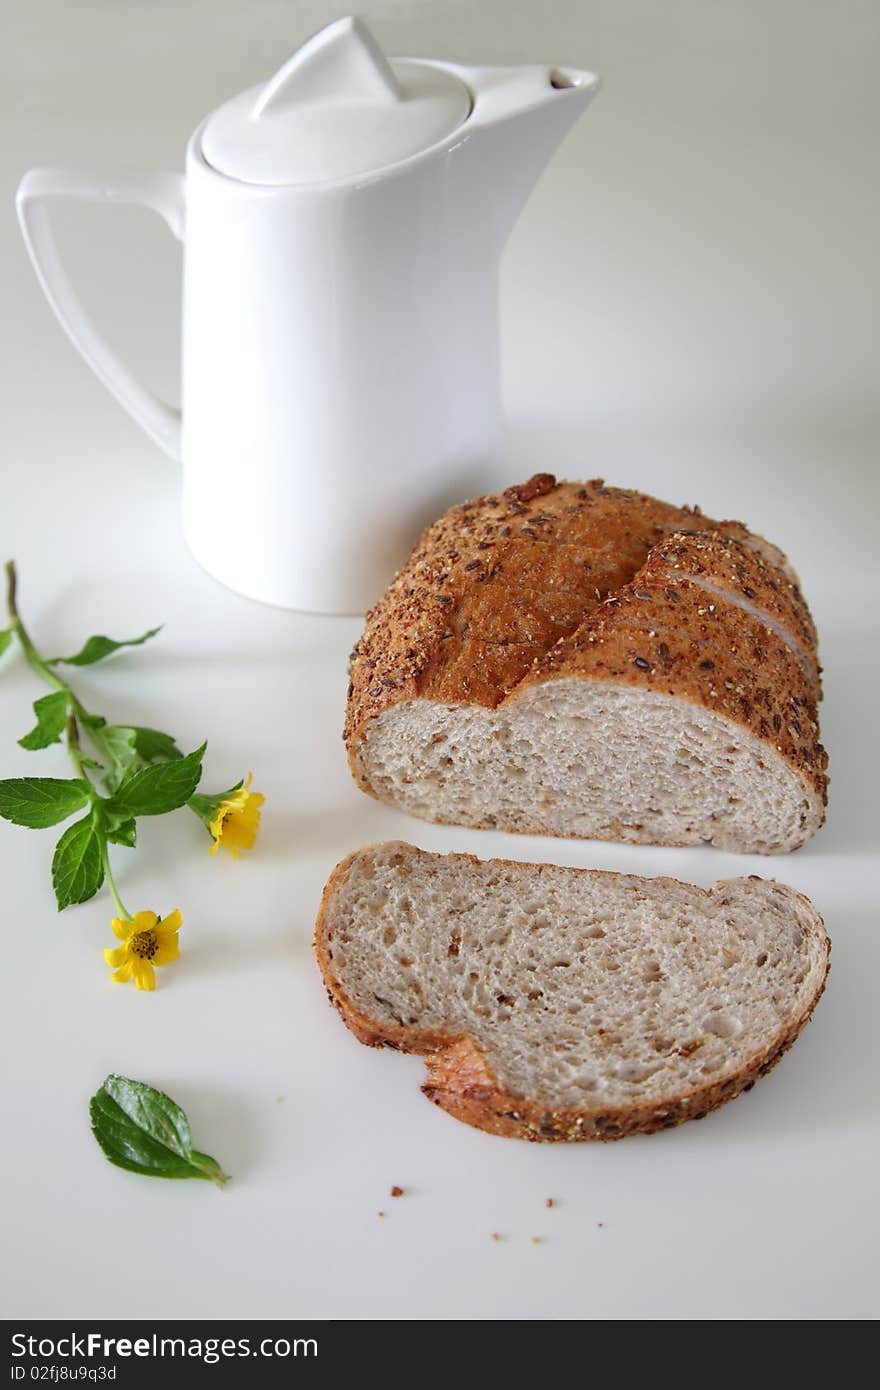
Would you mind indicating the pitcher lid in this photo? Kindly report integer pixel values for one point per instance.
(336, 109)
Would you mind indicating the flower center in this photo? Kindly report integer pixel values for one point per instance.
(144, 944)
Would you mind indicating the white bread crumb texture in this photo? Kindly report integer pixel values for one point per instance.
(581, 989)
(590, 760)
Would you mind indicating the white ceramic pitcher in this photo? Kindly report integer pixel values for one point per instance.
(342, 227)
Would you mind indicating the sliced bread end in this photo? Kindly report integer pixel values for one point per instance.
(568, 1004)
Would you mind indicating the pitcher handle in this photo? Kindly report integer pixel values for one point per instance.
(162, 193)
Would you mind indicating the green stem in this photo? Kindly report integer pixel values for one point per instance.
(36, 662)
(108, 876)
(77, 711)
(73, 748)
(44, 670)
(32, 655)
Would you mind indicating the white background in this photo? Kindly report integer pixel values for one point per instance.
(689, 306)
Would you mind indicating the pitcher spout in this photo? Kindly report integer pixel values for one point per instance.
(519, 117)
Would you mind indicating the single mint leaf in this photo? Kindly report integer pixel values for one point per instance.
(5, 638)
(155, 790)
(123, 833)
(77, 866)
(51, 712)
(41, 801)
(128, 1146)
(154, 746)
(96, 648)
(144, 1131)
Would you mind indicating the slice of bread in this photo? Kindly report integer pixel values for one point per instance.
(568, 1004)
(586, 661)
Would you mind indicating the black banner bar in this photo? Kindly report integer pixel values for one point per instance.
(135, 1353)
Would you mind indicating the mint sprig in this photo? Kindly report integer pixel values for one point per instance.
(125, 770)
(142, 771)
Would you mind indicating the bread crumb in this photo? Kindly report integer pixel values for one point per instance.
(396, 1191)
(495, 1236)
(549, 1202)
(536, 1240)
(279, 1099)
(380, 1213)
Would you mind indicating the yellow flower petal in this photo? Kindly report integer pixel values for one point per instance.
(236, 820)
(235, 837)
(167, 951)
(240, 829)
(146, 941)
(173, 922)
(144, 974)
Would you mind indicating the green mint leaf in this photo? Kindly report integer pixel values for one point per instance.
(77, 866)
(123, 832)
(154, 746)
(96, 648)
(40, 801)
(92, 721)
(5, 638)
(51, 712)
(144, 1131)
(155, 790)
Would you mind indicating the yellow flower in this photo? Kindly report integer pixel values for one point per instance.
(235, 821)
(145, 942)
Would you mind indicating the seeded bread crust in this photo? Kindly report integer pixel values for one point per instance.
(559, 580)
(779, 708)
(460, 1081)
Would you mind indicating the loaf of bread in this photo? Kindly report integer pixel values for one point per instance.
(573, 659)
(570, 1004)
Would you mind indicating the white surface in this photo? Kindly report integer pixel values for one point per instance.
(689, 306)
